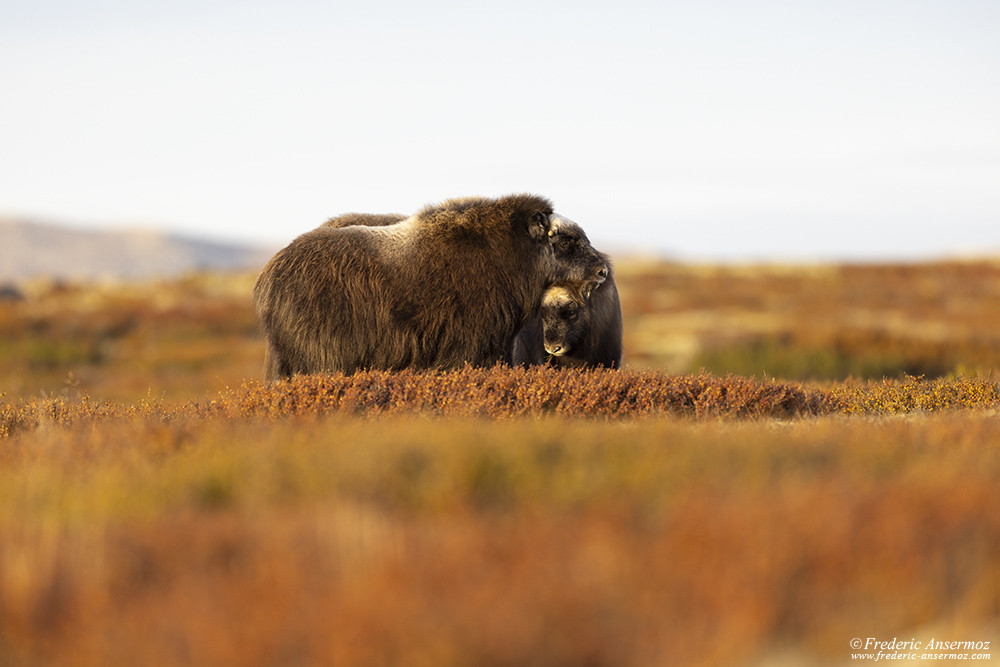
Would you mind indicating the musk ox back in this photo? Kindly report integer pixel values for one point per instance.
(448, 286)
(366, 219)
(578, 324)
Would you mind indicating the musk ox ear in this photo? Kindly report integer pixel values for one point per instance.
(538, 226)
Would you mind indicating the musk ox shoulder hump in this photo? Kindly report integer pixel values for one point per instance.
(486, 214)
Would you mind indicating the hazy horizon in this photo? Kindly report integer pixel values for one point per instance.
(712, 131)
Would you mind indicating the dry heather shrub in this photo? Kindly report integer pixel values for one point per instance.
(914, 394)
(73, 412)
(502, 392)
(505, 393)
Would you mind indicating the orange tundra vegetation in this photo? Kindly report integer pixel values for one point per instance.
(159, 506)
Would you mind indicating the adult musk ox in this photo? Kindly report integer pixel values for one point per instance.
(571, 328)
(450, 285)
(579, 324)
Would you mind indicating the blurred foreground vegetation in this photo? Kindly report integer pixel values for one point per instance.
(792, 457)
(335, 539)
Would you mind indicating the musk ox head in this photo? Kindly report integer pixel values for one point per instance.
(574, 257)
(565, 316)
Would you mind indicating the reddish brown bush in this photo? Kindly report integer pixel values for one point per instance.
(514, 392)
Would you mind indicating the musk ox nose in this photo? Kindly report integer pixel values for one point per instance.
(554, 348)
(603, 273)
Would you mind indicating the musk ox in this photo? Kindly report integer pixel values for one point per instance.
(448, 286)
(578, 324)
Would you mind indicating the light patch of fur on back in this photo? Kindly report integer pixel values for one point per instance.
(397, 229)
(400, 234)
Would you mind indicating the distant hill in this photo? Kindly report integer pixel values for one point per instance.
(34, 249)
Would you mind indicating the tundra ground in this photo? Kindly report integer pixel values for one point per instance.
(158, 507)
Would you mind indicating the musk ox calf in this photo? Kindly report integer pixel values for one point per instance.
(578, 324)
(448, 286)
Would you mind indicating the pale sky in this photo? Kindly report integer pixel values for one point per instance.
(694, 130)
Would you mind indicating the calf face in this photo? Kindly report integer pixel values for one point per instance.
(565, 317)
(577, 325)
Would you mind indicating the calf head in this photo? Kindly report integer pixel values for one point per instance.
(565, 316)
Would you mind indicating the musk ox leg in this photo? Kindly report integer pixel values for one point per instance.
(273, 368)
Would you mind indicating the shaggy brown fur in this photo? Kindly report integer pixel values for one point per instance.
(449, 286)
(578, 324)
